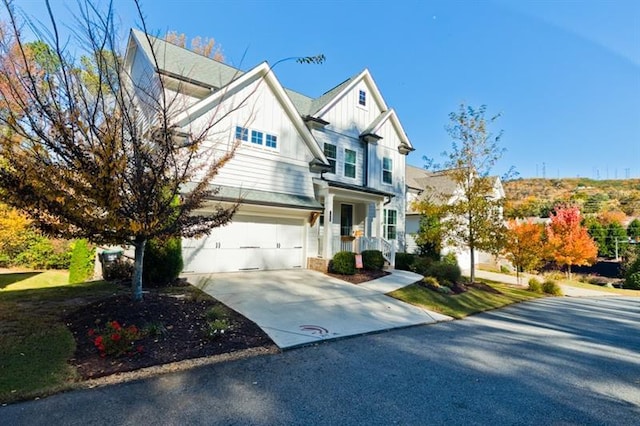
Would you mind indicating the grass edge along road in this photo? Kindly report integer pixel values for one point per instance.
(35, 344)
(473, 301)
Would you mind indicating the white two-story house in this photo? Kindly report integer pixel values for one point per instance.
(315, 176)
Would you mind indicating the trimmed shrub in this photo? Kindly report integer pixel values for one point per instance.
(430, 283)
(119, 270)
(82, 262)
(421, 265)
(445, 273)
(450, 259)
(404, 261)
(372, 260)
(535, 285)
(632, 281)
(343, 262)
(551, 287)
(162, 262)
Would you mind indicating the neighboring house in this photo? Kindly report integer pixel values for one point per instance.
(312, 173)
(439, 187)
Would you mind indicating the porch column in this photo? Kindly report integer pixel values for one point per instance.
(377, 223)
(327, 249)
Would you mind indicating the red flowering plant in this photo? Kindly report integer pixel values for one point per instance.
(115, 340)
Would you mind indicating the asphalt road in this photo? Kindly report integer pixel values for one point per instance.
(553, 361)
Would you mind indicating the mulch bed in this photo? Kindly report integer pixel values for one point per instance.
(360, 276)
(180, 318)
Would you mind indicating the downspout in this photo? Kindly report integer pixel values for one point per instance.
(366, 164)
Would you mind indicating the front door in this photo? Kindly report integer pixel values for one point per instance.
(346, 219)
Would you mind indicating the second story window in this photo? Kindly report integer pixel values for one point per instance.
(349, 163)
(272, 141)
(242, 133)
(362, 98)
(330, 152)
(387, 170)
(256, 137)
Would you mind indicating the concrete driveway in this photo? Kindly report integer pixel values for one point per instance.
(553, 361)
(299, 307)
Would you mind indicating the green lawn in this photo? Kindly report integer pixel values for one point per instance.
(35, 345)
(618, 291)
(461, 305)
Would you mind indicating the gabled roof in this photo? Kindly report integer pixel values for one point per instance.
(436, 182)
(326, 101)
(375, 126)
(180, 62)
(262, 71)
(440, 186)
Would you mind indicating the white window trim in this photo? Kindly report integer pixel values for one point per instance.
(387, 170)
(355, 164)
(386, 224)
(335, 159)
(366, 100)
(261, 147)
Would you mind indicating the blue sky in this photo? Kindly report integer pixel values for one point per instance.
(565, 75)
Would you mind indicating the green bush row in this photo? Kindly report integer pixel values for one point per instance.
(548, 287)
(344, 262)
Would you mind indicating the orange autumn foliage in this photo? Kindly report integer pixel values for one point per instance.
(609, 217)
(568, 241)
(524, 246)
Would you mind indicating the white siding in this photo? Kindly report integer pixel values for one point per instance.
(146, 87)
(284, 169)
(347, 116)
(343, 142)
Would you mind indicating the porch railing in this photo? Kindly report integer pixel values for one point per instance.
(387, 248)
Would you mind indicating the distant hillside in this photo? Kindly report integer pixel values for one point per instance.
(537, 197)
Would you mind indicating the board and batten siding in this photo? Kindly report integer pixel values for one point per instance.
(147, 87)
(347, 116)
(343, 142)
(284, 169)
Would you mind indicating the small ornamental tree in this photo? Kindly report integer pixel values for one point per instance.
(568, 241)
(429, 236)
(91, 151)
(472, 216)
(524, 245)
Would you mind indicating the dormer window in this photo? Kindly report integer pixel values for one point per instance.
(362, 98)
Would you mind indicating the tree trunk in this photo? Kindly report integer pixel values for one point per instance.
(136, 280)
(472, 261)
(569, 271)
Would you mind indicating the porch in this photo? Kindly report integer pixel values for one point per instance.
(360, 244)
(354, 219)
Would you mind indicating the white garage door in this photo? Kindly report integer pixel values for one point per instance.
(248, 243)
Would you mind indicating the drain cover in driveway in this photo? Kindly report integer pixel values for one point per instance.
(316, 330)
